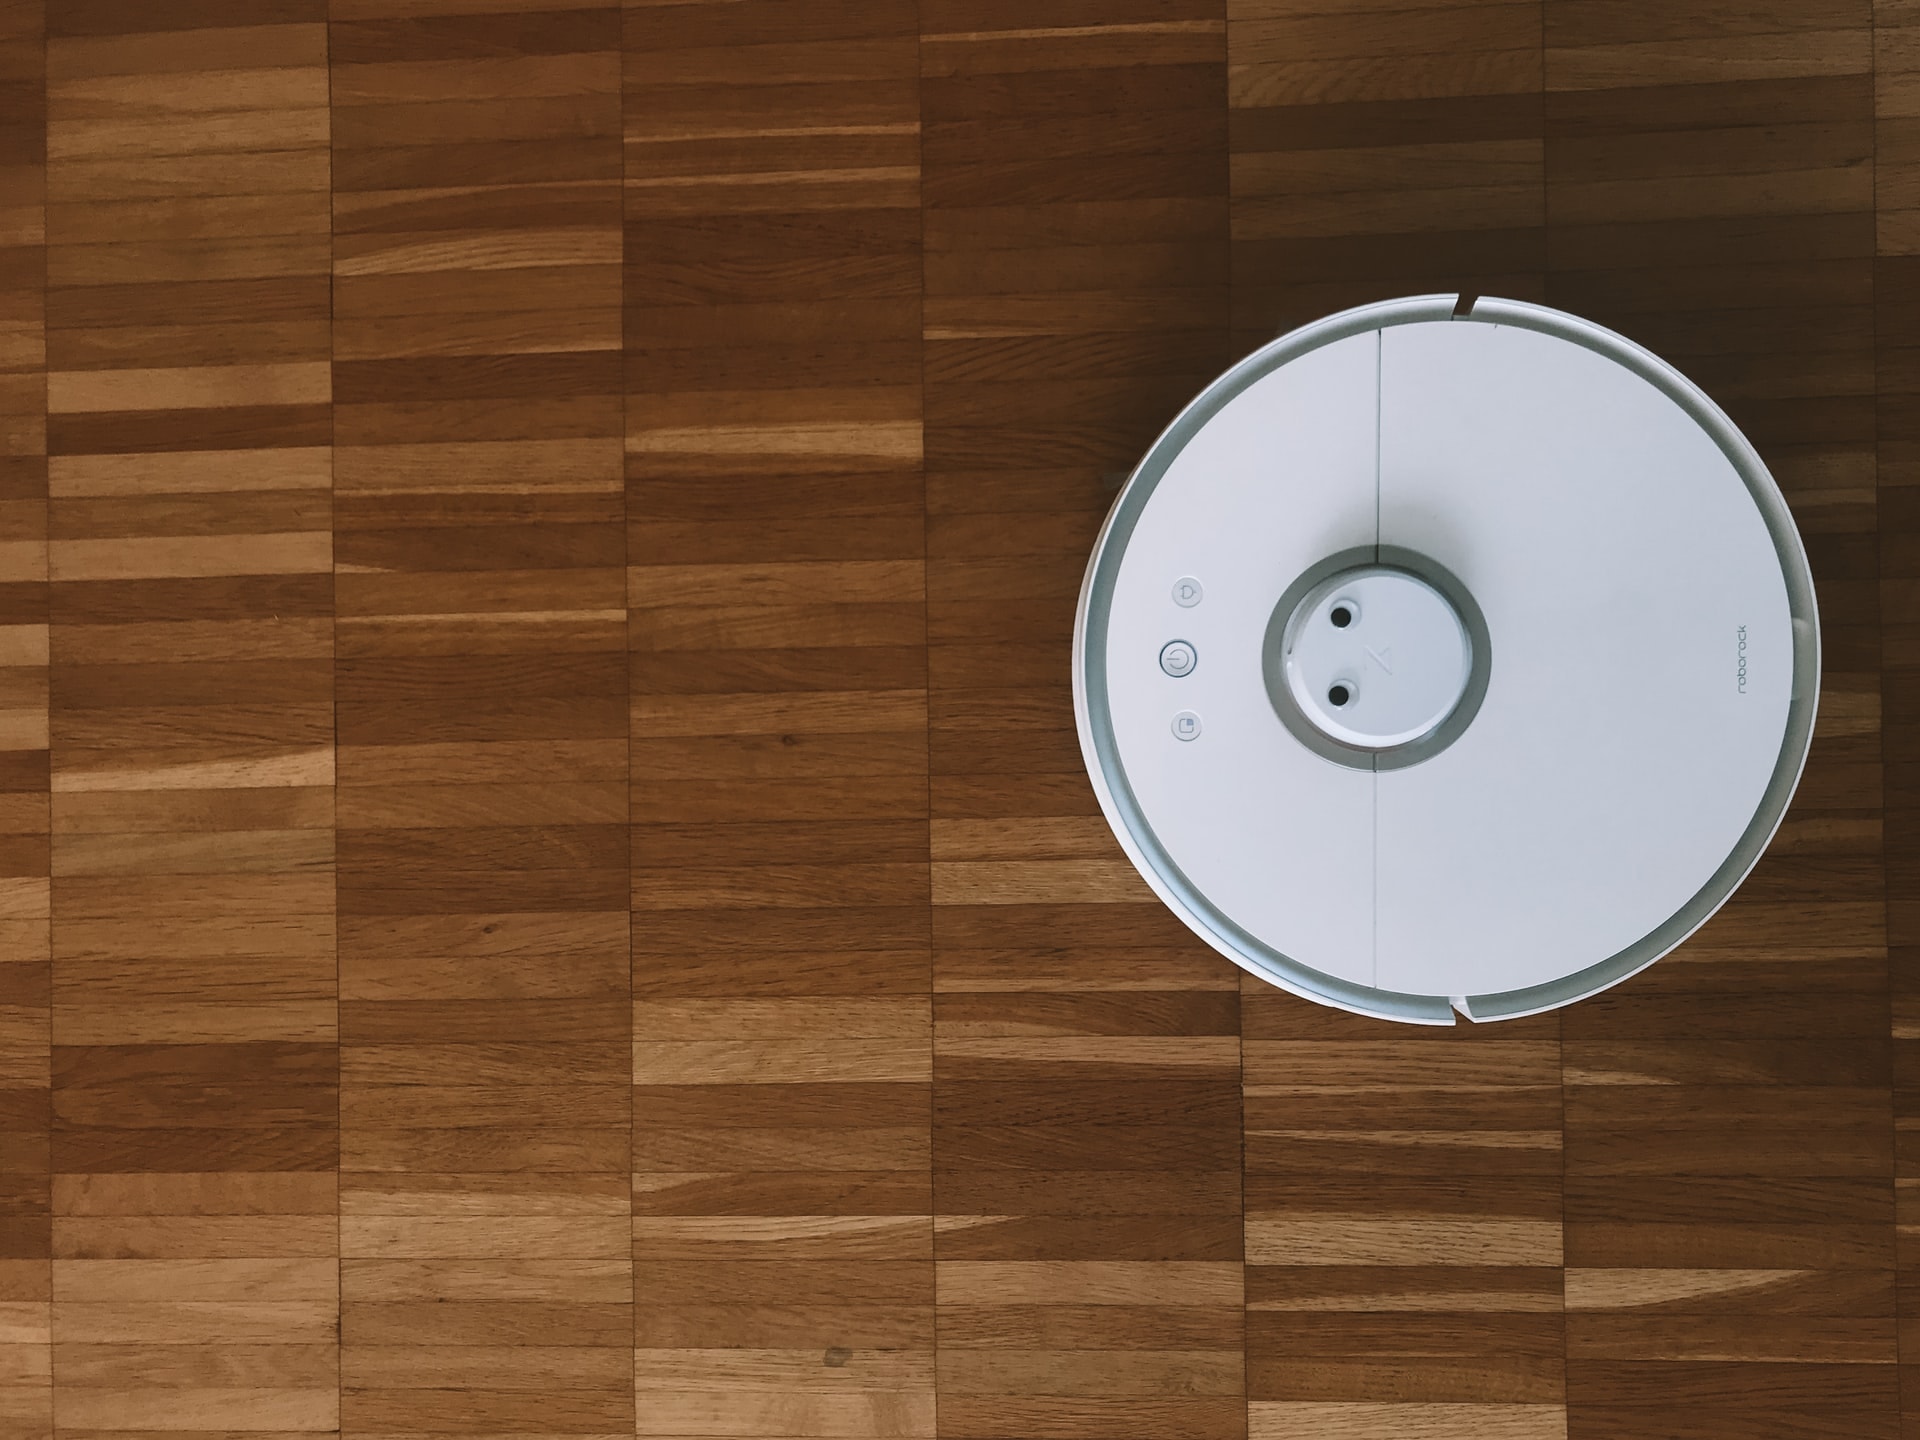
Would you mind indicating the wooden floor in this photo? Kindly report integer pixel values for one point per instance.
(549, 889)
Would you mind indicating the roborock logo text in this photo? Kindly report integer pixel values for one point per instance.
(1741, 673)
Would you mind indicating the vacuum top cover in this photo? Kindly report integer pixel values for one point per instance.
(1447, 657)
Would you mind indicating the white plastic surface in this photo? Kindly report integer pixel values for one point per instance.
(1280, 839)
(1620, 751)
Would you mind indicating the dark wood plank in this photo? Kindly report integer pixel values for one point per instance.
(195, 1074)
(485, 1282)
(782, 1230)
(1380, 150)
(1896, 295)
(26, 1269)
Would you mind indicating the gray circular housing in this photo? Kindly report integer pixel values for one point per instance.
(1296, 606)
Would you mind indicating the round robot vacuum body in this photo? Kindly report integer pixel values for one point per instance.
(1447, 656)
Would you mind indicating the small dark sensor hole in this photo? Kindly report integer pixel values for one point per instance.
(1341, 617)
(1339, 695)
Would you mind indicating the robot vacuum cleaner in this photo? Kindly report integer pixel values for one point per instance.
(1447, 655)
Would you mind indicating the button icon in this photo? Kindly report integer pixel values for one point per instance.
(1177, 658)
(1187, 592)
(1186, 725)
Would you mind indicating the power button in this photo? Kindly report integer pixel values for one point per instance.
(1178, 658)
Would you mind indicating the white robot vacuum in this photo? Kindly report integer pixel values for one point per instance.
(1447, 655)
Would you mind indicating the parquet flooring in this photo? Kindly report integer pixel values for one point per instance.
(546, 883)
(782, 1246)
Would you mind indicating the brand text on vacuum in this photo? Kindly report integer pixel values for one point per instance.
(1741, 674)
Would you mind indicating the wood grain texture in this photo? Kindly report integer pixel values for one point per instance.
(546, 882)
(26, 1265)
(782, 1232)
(485, 1283)
(1382, 150)
(1403, 1199)
(195, 1133)
(1896, 294)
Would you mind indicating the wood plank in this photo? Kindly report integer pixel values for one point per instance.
(1380, 151)
(26, 1267)
(195, 1075)
(482, 852)
(1896, 297)
(776, 596)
